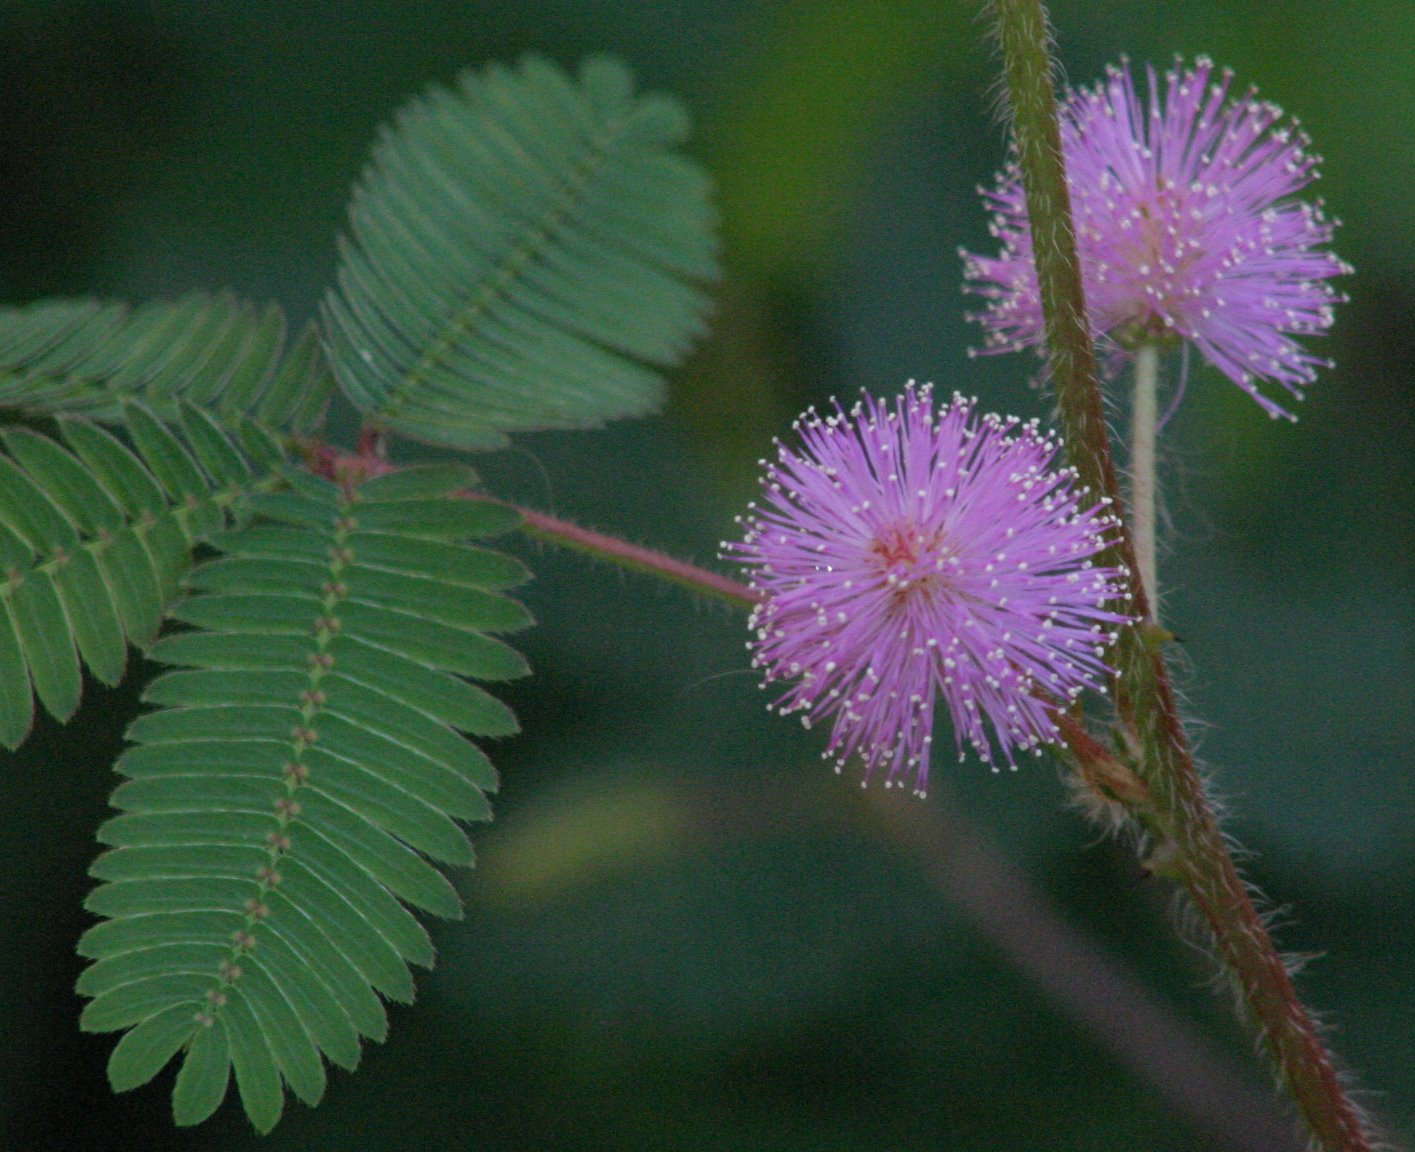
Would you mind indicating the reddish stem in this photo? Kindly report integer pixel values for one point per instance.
(632, 556)
(1180, 814)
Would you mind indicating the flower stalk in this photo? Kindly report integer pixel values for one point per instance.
(633, 557)
(368, 461)
(1144, 423)
(1179, 815)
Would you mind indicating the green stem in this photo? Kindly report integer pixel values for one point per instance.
(1070, 351)
(1144, 418)
(1180, 815)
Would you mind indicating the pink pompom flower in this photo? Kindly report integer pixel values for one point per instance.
(1186, 227)
(905, 553)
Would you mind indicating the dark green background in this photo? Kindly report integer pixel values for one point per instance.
(686, 932)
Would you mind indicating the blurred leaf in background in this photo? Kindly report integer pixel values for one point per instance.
(686, 931)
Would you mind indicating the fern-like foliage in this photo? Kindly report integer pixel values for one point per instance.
(96, 532)
(527, 251)
(217, 353)
(95, 537)
(523, 253)
(305, 761)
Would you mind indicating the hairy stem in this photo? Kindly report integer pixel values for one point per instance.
(633, 557)
(1070, 351)
(1179, 813)
(1089, 984)
(1143, 428)
(368, 461)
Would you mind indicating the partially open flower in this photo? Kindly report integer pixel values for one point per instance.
(907, 552)
(1186, 230)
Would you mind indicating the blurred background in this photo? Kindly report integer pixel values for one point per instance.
(685, 930)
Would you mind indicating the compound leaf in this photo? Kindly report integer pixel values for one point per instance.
(305, 758)
(214, 353)
(524, 252)
(95, 538)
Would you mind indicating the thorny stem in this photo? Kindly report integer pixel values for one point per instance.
(1144, 415)
(1179, 815)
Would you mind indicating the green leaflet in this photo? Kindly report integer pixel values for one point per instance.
(305, 759)
(256, 1063)
(295, 1051)
(97, 532)
(95, 537)
(213, 353)
(201, 1084)
(145, 1051)
(524, 252)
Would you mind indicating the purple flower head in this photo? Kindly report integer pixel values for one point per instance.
(1185, 228)
(905, 553)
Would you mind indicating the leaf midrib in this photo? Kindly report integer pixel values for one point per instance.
(505, 272)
